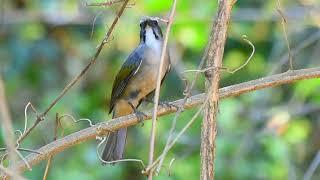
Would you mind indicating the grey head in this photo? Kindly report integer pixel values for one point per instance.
(150, 23)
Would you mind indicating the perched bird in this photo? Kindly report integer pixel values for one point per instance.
(134, 82)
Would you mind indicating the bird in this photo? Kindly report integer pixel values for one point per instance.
(135, 82)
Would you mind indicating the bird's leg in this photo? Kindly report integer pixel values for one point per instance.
(148, 100)
(140, 115)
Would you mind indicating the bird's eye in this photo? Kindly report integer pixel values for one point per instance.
(155, 22)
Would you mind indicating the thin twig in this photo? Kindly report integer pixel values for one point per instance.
(81, 74)
(3, 157)
(305, 43)
(55, 137)
(203, 71)
(250, 57)
(224, 68)
(107, 3)
(130, 120)
(312, 168)
(94, 22)
(157, 91)
(26, 116)
(76, 121)
(7, 128)
(123, 160)
(170, 166)
(283, 23)
(187, 94)
(112, 162)
(171, 143)
(10, 173)
(23, 149)
(23, 159)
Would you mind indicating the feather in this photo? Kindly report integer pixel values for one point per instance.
(127, 71)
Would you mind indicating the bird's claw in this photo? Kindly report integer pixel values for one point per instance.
(168, 105)
(140, 115)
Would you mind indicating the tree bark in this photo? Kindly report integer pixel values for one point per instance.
(214, 59)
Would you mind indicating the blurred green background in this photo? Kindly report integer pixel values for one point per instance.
(268, 134)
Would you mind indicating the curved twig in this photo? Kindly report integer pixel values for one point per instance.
(76, 121)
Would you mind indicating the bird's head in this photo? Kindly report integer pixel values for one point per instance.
(150, 30)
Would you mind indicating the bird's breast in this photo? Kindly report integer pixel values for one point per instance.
(144, 81)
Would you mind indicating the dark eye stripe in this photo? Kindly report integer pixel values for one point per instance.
(155, 34)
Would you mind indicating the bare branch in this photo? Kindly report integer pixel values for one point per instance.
(23, 159)
(80, 75)
(224, 68)
(157, 91)
(94, 22)
(214, 59)
(312, 168)
(7, 128)
(22, 149)
(171, 143)
(26, 116)
(76, 121)
(55, 136)
(283, 23)
(248, 60)
(130, 120)
(107, 3)
(305, 43)
(10, 173)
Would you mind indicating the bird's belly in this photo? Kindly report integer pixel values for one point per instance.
(143, 83)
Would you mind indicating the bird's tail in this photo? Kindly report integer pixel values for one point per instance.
(116, 141)
(115, 145)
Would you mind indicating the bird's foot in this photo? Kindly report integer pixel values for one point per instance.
(163, 104)
(168, 105)
(141, 116)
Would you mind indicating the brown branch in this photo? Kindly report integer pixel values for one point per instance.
(11, 173)
(46, 171)
(7, 128)
(130, 120)
(107, 3)
(283, 23)
(214, 59)
(80, 75)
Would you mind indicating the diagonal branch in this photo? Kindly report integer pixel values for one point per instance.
(130, 120)
(80, 75)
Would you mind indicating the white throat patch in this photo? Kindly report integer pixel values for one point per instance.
(151, 40)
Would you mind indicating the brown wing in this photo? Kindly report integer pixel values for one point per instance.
(129, 68)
